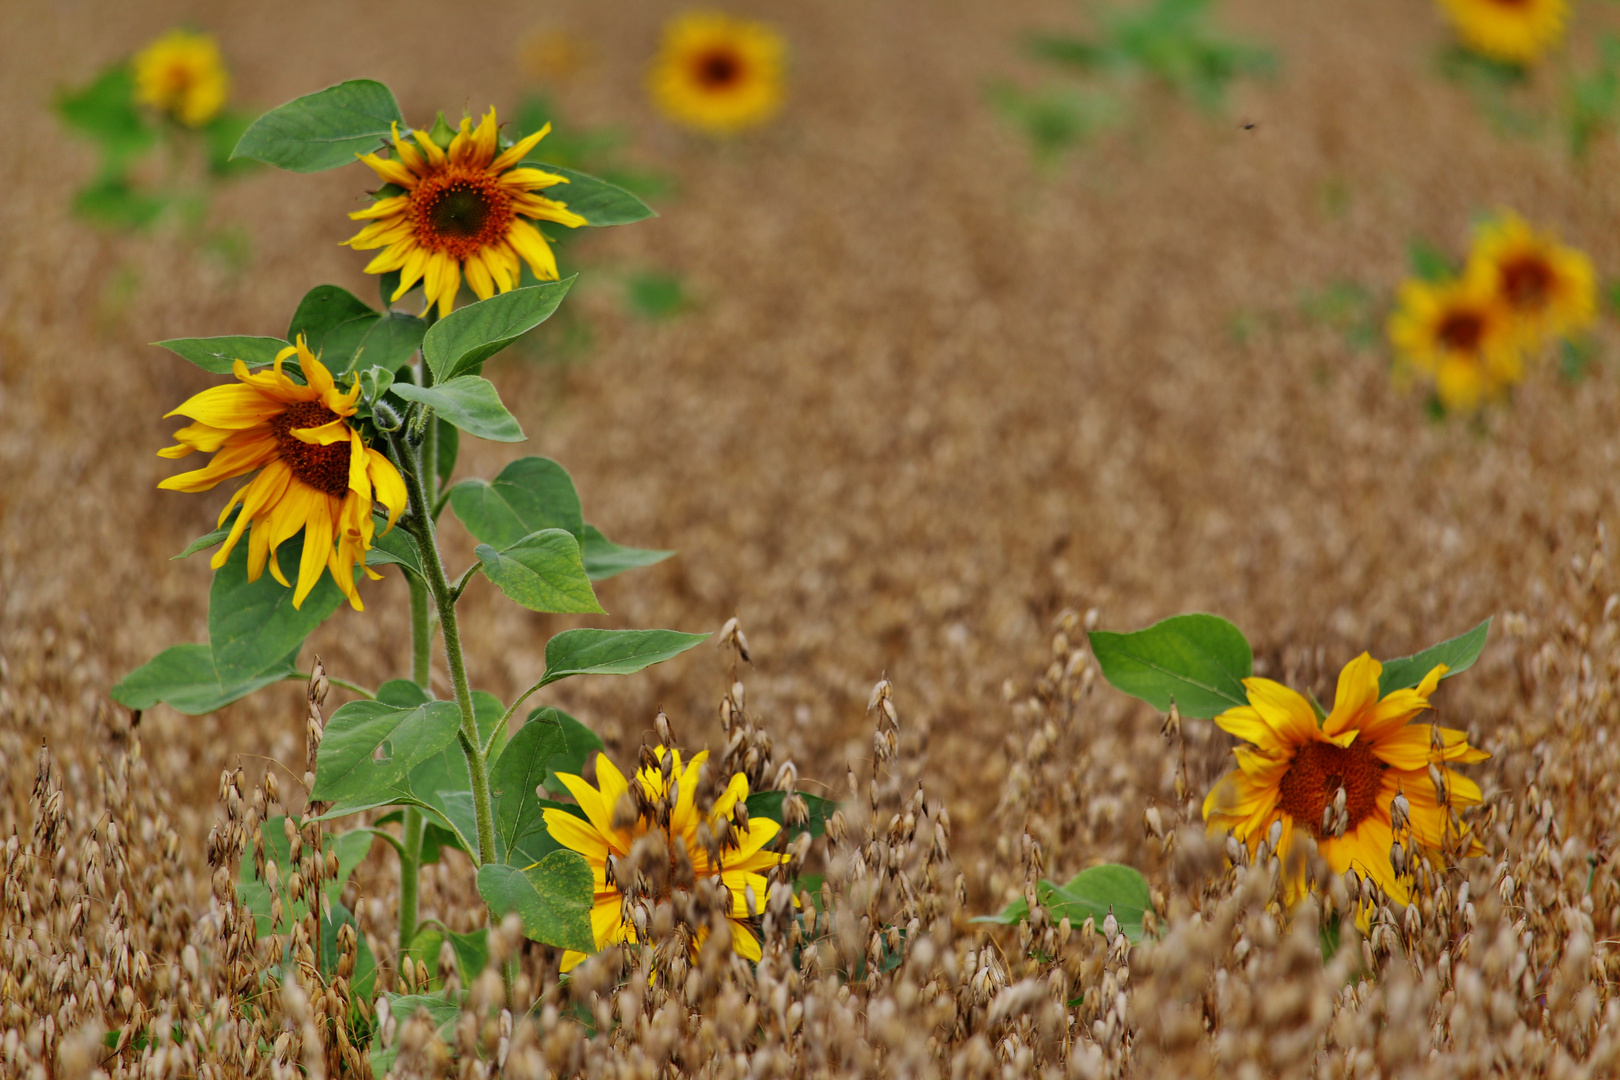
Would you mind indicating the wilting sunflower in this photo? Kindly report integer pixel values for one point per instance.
(718, 74)
(1550, 289)
(315, 472)
(741, 861)
(1459, 333)
(182, 74)
(1295, 770)
(465, 210)
(1512, 31)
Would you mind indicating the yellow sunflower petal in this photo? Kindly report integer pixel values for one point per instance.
(1357, 692)
(518, 150)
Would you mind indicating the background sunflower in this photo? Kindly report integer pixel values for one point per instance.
(717, 73)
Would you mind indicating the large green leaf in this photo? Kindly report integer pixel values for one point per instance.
(1092, 893)
(395, 546)
(184, 677)
(323, 130)
(1458, 655)
(594, 199)
(443, 782)
(105, 111)
(252, 625)
(514, 782)
(579, 743)
(402, 694)
(471, 403)
(442, 1015)
(218, 354)
(465, 338)
(768, 804)
(471, 952)
(369, 748)
(391, 342)
(553, 898)
(543, 572)
(612, 652)
(604, 558)
(530, 494)
(1197, 661)
(334, 323)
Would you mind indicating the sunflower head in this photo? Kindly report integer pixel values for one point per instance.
(1549, 288)
(465, 211)
(1459, 333)
(315, 473)
(1511, 31)
(718, 74)
(1334, 781)
(656, 812)
(182, 74)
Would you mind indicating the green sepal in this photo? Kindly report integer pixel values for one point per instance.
(471, 403)
(323, 130)
(397, 547)
(1197, 661)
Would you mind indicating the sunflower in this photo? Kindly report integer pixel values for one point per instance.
(1512, 31)
(1550, 288)
(462, 211)
(1295, 771)
(718, 74)
(1459, 333)
(740, 863)
(315, 472)
(182, 74)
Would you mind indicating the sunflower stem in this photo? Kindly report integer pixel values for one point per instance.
(421, 636)
(421, 526)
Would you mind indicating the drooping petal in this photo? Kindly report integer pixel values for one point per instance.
(527, 242)
(318, 535)
(387, 484)
(233, 459)
(232, 406)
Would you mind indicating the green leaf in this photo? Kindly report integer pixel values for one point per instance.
(218, 354)
(514, 782)
(112, 200)
(1458, 655)
(183, 676)
(105, 111)
(459, 342)
(469, 402)
(443, 783)
(530, 494)
(655, 294)
(768, 804)
(394, 546)
(402, 694)
(334, 323)
(604, 558)
(222, 133)
(1428, 263)
(579, 743)
(323, 130)
(442, 1015)
(447, 449)
(1198, 661)
(553, 898)
(1091, 893)
(345, 770)
(597, 201)
(471, 951)
(209, 539)
(612, 652)
(390, 342)
(543, 572)
(251, 625)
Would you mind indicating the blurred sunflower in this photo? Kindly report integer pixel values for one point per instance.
(1336, 782)
(718, 74)
(315, 472)
(738, 857)
(1512, 31)
(1459, 333)
(182, 74)
(461, 211)
(1550, 289)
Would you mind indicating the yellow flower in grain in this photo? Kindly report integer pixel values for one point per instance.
(1460, 334)
(1550, 289)
(315, 472)
(718, 74)
(464, 211)
(742, 858)
(1294, 769)
(182, 74)
(1512, 31)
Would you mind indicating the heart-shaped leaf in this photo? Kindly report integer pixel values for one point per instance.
(530, 494)
(552, 897)
(543, 572)
(1197, 661)
(369, 748)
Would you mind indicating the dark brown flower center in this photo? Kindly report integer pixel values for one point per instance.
(1461, 331)
(1527, 283)
(460, 211)
(718, 69)
(324, 468)
(1317, 772)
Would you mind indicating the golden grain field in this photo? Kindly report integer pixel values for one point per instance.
(930, 415)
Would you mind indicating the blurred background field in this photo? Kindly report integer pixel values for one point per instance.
(897, 392)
